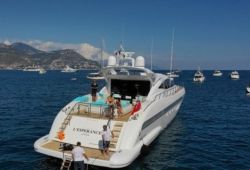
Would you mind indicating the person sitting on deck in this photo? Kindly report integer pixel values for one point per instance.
(137, 107)
(111, 101)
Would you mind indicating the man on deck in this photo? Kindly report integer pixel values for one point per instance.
(77, 154)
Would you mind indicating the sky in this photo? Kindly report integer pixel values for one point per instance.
(210, 34)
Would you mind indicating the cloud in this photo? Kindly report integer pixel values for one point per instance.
(85, 49)
(7, 42)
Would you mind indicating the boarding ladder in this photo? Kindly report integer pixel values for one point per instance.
(65, 122)
(66, 163)
(117, 131)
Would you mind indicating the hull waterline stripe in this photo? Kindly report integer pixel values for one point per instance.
(160, 114)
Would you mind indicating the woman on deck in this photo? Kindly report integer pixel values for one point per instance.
(137, 107)
(111, 101)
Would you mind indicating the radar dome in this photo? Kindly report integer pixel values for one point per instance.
(139, 61)
(111, 61)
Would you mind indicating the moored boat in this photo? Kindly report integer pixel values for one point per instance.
(83, 118)
(42, 71)
(172, 74)
(198, 76)
(217, 73)
(234, 75)
(68, 69)
(248, 89)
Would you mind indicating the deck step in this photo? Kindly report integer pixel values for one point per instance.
(117, 129)
(116, 134)
(118, 124)
(112, 145)
(114, 140)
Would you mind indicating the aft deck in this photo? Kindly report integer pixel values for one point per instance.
(98, 109)
(90, 152)
(123, 117)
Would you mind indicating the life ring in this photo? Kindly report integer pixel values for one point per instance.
(60, 135)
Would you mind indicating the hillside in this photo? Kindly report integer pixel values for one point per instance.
(20, 55)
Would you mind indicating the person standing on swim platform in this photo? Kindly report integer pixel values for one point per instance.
(77, 154)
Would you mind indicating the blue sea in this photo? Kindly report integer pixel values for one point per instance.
(211, 130)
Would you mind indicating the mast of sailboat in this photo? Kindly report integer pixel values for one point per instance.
(151, 54)
(171, 57)
(122, 35)
(102, 50)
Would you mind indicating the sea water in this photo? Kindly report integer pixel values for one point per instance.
(210, 131)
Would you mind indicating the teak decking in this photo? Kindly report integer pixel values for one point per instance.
(90, 152)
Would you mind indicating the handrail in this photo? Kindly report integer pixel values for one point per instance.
(88, 108)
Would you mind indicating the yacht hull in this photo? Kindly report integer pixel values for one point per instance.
(164, 115)
(118, 160)
(200, 80)
(217, 74)
(248, 89)
(235, 77)
(152, 120)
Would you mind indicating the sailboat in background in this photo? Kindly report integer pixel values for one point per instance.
(98, 75)
(171, 73)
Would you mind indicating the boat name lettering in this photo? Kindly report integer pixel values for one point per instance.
(87, 131)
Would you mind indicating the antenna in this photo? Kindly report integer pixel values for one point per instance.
(172, 53)
(102, 50)
(122, 35)
(151, 54)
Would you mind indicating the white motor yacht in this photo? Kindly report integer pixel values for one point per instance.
(42, 71)
(95, 76)
(68, 69)
(198, 76)
(248, 89)
(31, 69)
(172, 74)
(234, 75)
(82, 119)
(217, 73)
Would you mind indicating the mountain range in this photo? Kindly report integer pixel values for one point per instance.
(20, 55)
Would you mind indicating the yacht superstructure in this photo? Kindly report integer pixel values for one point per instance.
(83, 118)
